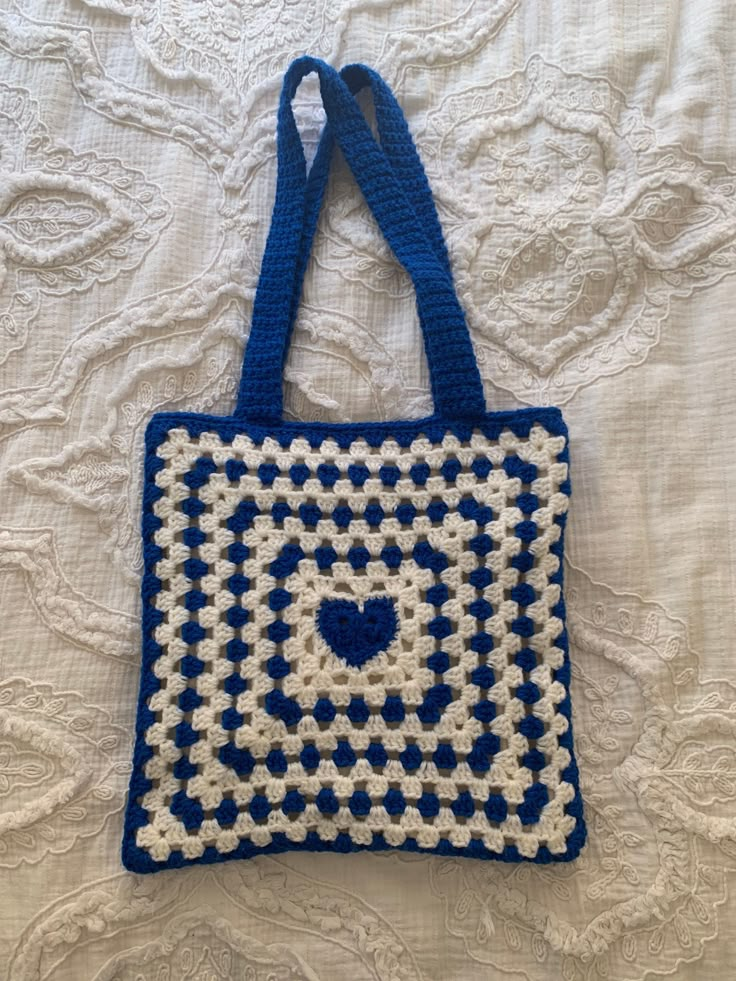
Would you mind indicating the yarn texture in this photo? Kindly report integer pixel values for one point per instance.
(354, 634)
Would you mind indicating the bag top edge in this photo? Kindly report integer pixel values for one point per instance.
(522, 417)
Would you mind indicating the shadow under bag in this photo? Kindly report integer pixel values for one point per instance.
(354, 634)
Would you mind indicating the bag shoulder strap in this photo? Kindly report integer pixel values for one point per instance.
(398, 145)
(408, 220)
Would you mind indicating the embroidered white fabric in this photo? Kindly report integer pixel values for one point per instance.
(582, 156)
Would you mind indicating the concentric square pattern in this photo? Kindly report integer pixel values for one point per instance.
(354, 642)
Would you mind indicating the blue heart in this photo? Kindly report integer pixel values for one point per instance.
(357, 635)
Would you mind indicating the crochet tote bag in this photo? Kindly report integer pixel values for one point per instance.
(354, 634)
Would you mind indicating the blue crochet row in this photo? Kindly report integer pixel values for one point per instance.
(402, 431)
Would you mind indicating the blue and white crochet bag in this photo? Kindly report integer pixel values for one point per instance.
(354, 634)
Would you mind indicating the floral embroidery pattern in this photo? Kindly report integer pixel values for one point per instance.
(67, 221)
(62, 771)
(589, 228)
(577, 232)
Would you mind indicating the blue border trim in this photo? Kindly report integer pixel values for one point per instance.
(519, 421)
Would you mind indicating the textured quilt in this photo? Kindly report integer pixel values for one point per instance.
(582, 157)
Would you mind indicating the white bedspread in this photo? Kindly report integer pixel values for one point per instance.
(582, 155)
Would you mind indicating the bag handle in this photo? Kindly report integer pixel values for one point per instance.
(456, 386)
(397, 144)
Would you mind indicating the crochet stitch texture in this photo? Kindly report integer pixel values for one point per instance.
(446, 728)
(354, 634)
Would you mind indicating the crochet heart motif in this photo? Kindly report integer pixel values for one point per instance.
(357, 635)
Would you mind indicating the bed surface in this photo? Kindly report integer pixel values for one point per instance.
(582, 157)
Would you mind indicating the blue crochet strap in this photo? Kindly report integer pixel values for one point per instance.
(409, 224)
(399, 148)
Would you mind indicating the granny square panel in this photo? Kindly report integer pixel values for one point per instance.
(354, 635)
